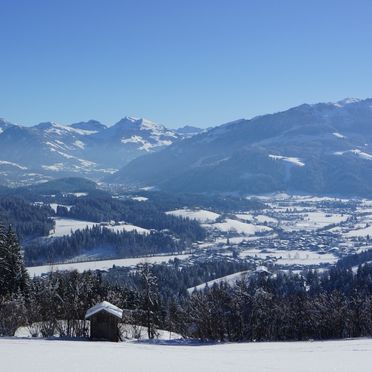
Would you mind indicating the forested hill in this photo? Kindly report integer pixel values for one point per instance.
(146, 215)
(26, 219)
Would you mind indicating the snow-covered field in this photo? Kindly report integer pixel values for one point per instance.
(314, 220)
(35, 355)
(292, 257)
(200, 215)
(64, 226)
(231, 279)
(128, 228)
(230, 225)
(101, 265)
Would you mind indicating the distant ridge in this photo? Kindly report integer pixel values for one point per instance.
(312, 148)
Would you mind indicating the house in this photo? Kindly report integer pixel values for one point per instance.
(104, 320)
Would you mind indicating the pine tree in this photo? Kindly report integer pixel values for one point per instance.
(3, 262)
(13, 274)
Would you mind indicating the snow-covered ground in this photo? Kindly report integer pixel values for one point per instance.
(101, 265)
(231, 279)
(127, 227)
(230, 225)
(314, 221)
(35, 355)
(200, 215)
(55, 205)
(293, 257)
(64, 226)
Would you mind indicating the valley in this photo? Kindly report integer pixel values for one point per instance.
(280, 233)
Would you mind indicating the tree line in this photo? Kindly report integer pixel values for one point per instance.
(114, 244)
(334, 304)
(142, 214)
(26, 219)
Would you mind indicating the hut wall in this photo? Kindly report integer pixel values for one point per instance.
(104, 326)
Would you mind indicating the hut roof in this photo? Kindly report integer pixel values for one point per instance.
(104, 306)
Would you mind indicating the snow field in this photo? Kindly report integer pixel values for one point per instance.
(64, 226)
(314, 221)
(102, 265)
(35, 355)
(201, 215)
(293, 257)
(128, 228)
(230, 279)
(229, 225)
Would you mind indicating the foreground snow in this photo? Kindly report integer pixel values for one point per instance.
(42, 355)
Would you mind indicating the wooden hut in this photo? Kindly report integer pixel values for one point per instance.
(104, 318)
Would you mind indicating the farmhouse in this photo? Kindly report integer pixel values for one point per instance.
(104, 318)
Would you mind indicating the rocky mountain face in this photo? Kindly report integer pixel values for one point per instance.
(322, 148)
(91, 149)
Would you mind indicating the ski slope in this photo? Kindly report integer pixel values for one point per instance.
(35, 355)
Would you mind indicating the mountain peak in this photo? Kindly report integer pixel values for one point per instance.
(348, 101)
(142, 124)
(90, 125)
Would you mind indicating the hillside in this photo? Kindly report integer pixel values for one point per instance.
(324, 148)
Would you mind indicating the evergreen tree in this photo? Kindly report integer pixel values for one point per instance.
(13, 274)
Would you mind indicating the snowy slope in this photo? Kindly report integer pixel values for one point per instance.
(323, 148)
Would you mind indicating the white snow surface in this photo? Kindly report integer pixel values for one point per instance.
(64, 226)
(15, 165)
(338, 135)
(140, 198)
(361, 154)
(128, 228)
(230, 225)
(104, 306)
(292, 257)
(289, 159)
(38, 355)
(103, 264)
(200, 215)
(230, 279)
(55, 205)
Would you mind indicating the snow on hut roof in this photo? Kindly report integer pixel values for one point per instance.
(104, 306)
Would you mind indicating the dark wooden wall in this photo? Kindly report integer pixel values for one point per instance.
(104, 326)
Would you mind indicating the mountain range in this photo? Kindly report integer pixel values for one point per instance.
(323, 148)
(91, 149)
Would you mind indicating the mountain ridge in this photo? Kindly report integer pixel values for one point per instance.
(51, 150)
(317, 148)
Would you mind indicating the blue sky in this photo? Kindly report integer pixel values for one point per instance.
(196, 62)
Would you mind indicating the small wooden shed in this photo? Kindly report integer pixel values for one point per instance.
(104, 318)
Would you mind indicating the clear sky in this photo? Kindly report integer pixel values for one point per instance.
(177, 62)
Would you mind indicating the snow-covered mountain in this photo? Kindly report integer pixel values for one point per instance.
(4, 125)
(188, 131)
(50, 150)
(321, 148)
